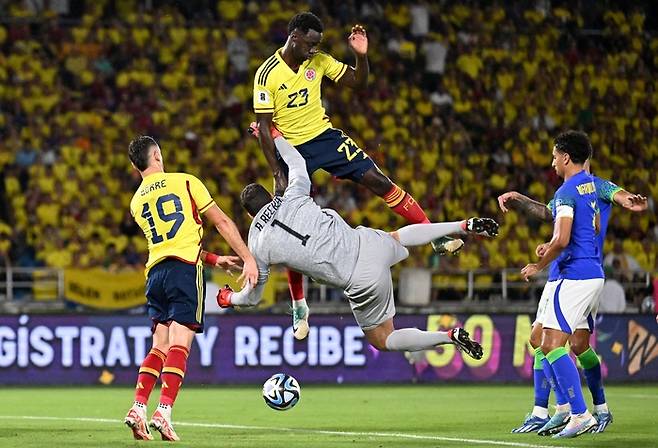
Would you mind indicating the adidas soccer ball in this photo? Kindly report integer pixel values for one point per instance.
(281, 392)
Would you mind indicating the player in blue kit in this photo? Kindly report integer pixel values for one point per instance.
(608, 193)
(580, 280)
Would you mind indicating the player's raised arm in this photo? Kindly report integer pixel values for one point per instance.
(517, 201)
(299, 183)
(229, 231)
(630, 201)
(264, 121)
(357, 77)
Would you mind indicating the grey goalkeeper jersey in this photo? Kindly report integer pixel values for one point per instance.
(295, 232)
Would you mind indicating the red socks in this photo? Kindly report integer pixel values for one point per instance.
(149, 372)
(405, 205)
(296, 285)
(173, 373)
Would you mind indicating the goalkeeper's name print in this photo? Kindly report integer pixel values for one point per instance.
(268, 212)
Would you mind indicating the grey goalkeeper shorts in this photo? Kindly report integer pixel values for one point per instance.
(370, 289)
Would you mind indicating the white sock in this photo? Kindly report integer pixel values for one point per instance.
(141, 407)
(413, 339)
(300, 302)
(540, 412)
(165, 410)
(599, 408)
(419, 234)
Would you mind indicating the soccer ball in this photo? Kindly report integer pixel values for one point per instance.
(281, 392)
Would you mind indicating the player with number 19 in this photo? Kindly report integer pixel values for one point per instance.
(168, 208)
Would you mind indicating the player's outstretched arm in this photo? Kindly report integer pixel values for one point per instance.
(227, 262)
(264, 122)
(250, 295)
(517, 201)
(357, 77)
(630, 201)
(229, 231)
(299, 183)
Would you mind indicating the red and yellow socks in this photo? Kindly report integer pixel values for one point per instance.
(405, 205)
(149, 372)
(173, 373)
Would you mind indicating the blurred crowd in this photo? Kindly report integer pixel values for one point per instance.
(463, 102)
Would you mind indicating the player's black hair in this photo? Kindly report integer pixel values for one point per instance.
(138, 151)
(254, 197)
(305, 21)
(576, 144)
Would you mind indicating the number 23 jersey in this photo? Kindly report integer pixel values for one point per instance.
(294, 99)
(168, 207)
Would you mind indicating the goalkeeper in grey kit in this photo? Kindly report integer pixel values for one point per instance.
(293, 231)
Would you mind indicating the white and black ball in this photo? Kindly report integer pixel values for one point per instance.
(281, 392)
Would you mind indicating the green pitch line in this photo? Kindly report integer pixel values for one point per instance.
(328, 416)
(369, 435)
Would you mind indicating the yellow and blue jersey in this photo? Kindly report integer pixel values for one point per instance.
(168, 207)
(295, 99)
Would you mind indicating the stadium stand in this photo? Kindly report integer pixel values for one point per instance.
(463, 101)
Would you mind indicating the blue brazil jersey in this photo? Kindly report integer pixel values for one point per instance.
(605, 193)
(577, 198)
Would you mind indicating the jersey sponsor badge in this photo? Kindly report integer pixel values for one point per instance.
(263, 97)
(310, 74)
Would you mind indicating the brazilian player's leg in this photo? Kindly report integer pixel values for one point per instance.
(571, 304)
(536, 419)
(385, 337)
(300, 310)
(420, 234)
(566, 373)
(543, 379)
(589, 360)
(370, 293)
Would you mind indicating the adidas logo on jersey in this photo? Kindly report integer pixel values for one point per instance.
(283, 87)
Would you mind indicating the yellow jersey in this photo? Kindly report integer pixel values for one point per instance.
(168, 207)
(295, 98)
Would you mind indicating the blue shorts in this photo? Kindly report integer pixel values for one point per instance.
(336, 153)
(176, 291)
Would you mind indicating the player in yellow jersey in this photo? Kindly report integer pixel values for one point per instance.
(287, 94)
(168, 208)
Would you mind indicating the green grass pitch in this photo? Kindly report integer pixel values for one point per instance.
(327, 416)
